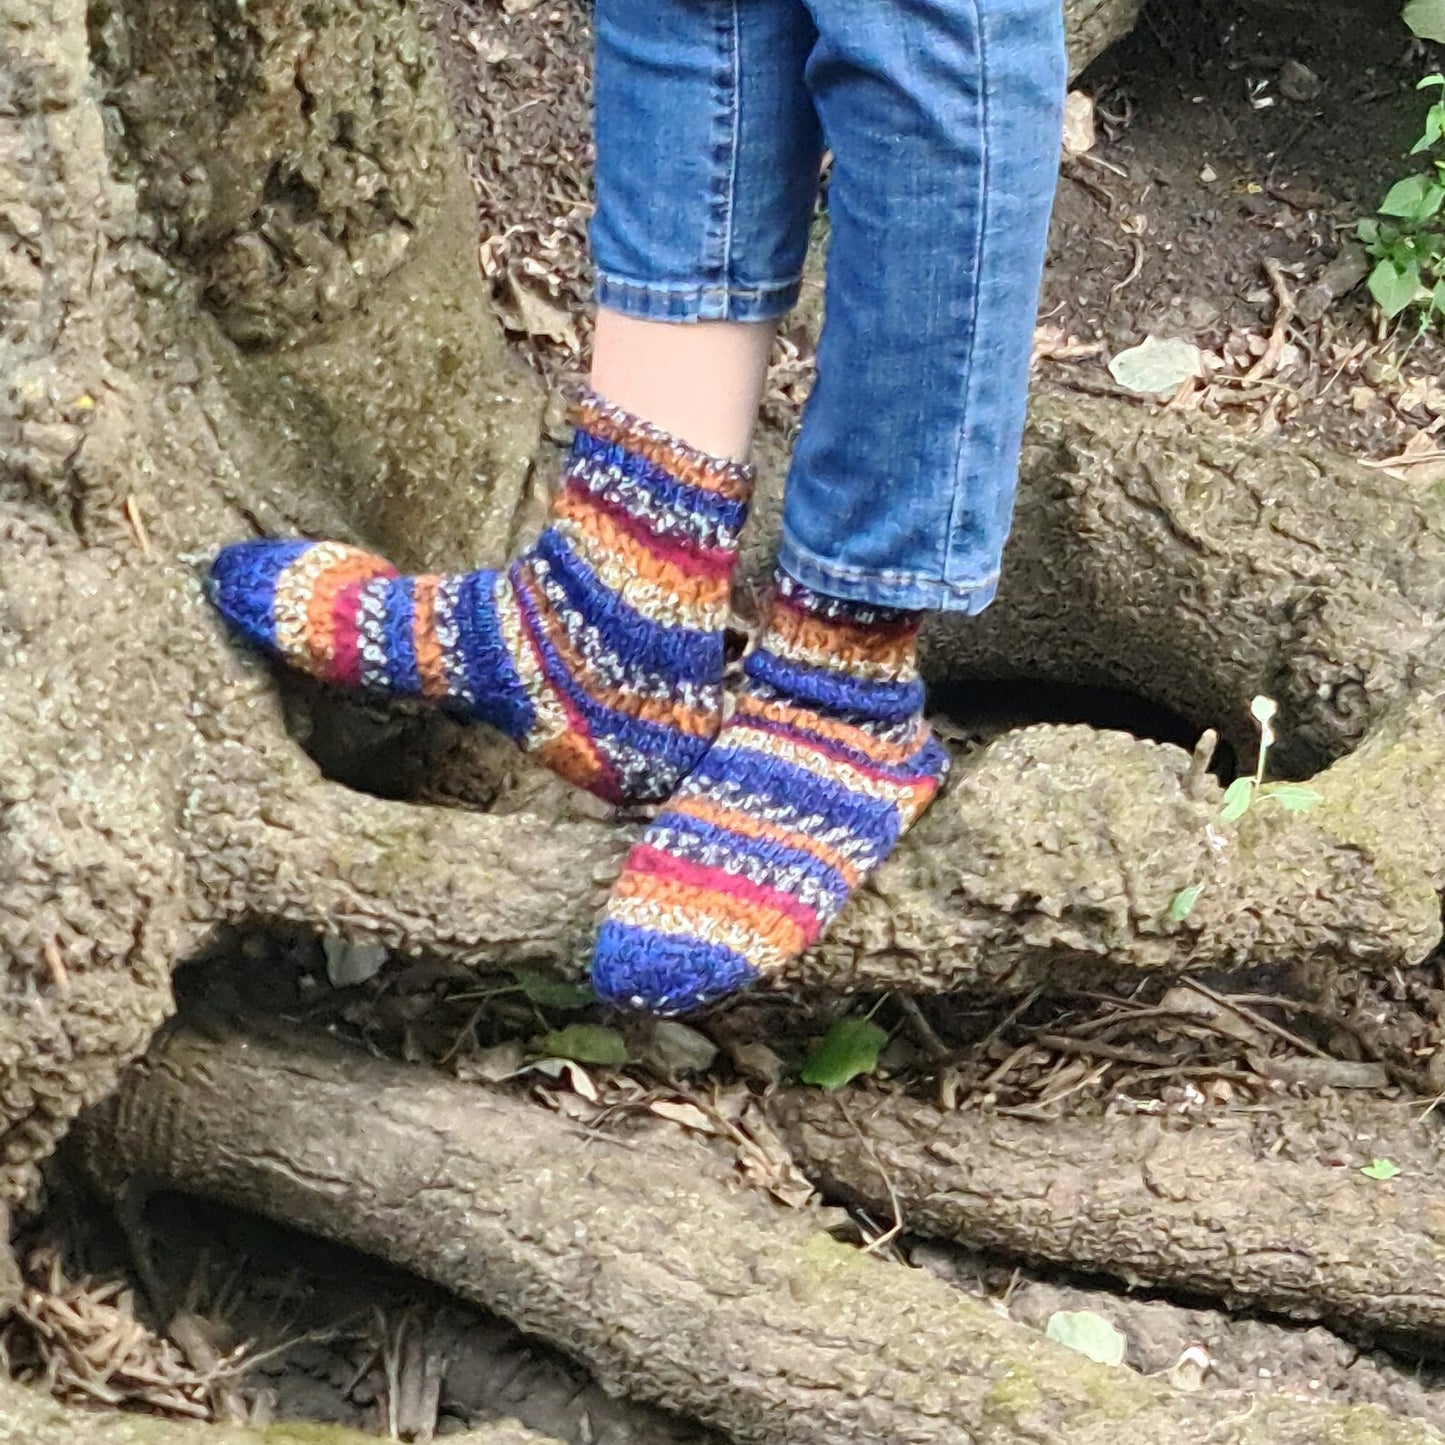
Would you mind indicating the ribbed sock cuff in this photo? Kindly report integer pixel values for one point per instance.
(679, 459)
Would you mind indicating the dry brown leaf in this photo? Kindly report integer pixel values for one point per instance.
(767, 1162)
(525, 304)
(1421, 460)
(680, 1112)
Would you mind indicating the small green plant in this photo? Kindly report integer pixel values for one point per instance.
(1241, 793)
(1407, 241)
(1181, 905)
(1408, 244)
(1382, 1169)
(848, 1049)
(585, 1044)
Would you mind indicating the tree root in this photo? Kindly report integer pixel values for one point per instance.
(1268, 1210)
(1051, 846)
(28, 1417)
(1149, 553)
(1221, 1350)
(666, 1280)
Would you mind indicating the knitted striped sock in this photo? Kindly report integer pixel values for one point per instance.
(822, 767)
(600, 650)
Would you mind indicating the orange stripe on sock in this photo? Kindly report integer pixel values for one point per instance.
(430, 665)
(574, 756)
(691, 590)
(834, 730)
(570, 750)
(773, 929)
(694, 722)
(890, 646)
(356, 566)
(705, 810)
(679, 460)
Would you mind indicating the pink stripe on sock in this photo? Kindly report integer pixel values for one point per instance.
(346, 637)
(711, 562)
(653, 861)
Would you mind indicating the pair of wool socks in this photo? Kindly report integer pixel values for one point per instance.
(601, 651)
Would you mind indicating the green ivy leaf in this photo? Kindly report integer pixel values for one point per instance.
(553, 992)
(1416, 198)
(1434, 129)
(1368, 231)
(1380, 1169)
(1426, 18)
(1294, 797)
(1087, 1333)
(848, 1049)
(1395, 287)
(1237, 798)
(1182, 904)
(585, 1044)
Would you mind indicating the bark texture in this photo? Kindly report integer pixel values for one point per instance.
(239, 289)
(640, 1256)
(1266, 1210)
(28, 1417)
(136, 435)
(1092, 26)
(1056, 845)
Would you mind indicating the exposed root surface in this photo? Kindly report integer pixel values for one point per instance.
(668, 1282)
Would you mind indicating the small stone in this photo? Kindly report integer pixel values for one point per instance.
(1298, 82)
(1190, 1369)
(757, 1061)
(491, 1065)
(1208, 174)
(680, 1049)
(1200, 315)
(1079, 130)
(348, 964)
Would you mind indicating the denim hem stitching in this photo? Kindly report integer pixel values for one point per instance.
(684, 300)
(844, 572)
(965, 429)
(730, 224)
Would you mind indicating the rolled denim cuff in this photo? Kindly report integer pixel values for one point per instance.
(907, 590)
(695, 301)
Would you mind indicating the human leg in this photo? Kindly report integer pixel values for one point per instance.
(600, 649)
(943, 116)
(702, 100)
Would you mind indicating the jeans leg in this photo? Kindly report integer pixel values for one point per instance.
(944, 118)
(708, 153)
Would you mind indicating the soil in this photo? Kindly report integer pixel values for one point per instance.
(1232, 135)
(1228, 135)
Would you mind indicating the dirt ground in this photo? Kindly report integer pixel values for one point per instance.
(1229, 136)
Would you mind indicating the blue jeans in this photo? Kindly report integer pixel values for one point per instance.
(943, 117)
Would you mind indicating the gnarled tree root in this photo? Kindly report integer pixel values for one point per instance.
(666, 1280)
(28, 1417)
(1156, 554)
(149, 792)
(1243, 1208)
